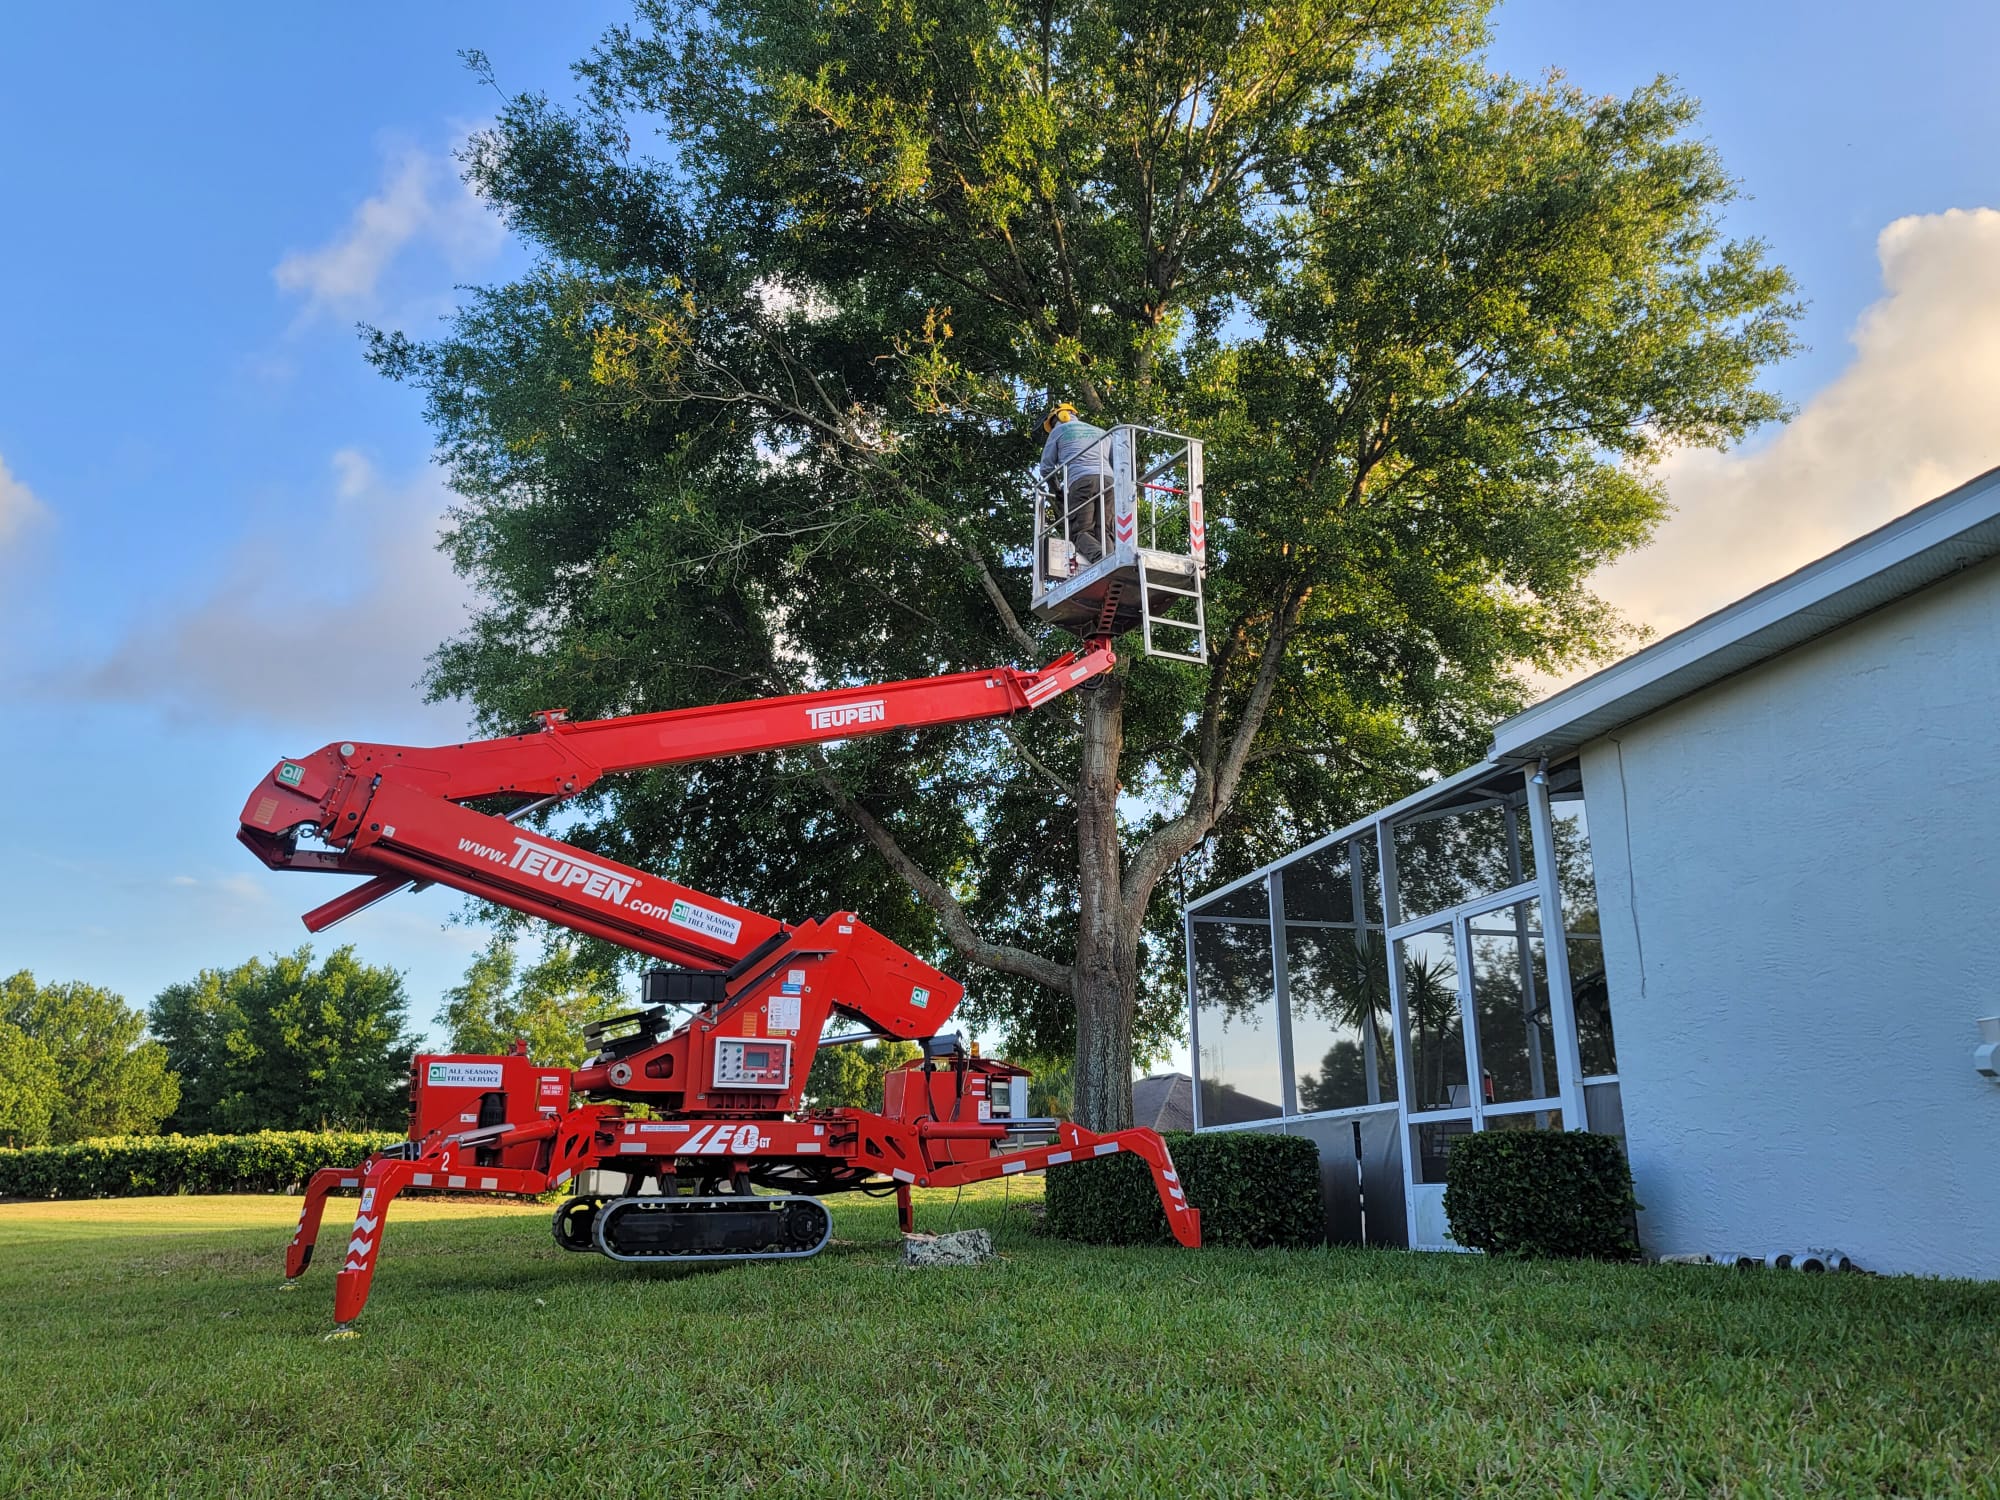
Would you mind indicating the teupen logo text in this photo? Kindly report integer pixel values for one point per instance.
(840, 715)
(567, 870)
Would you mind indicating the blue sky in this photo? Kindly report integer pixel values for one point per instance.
(215, 519)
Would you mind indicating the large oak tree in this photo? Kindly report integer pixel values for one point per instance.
(762, 417)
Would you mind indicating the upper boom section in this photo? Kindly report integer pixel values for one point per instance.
(564, 758)
(758, 724)
(394, 811)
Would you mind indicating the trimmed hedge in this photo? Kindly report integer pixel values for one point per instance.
(272, 1161)
(1252, 1189)
(1564, 1193)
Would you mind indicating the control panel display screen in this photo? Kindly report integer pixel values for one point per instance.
(752, 1063)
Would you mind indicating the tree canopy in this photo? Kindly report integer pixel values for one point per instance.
(27, 1089)
(75, 1063)
(761, 416)
(284, 1044)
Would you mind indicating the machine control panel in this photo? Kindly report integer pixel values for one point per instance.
(748, 1062)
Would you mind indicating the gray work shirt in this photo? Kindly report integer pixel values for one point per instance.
(1068, 440)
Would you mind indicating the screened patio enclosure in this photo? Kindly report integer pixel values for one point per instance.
(1429, 972)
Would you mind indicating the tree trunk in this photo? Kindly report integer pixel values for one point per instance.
(1104, 979)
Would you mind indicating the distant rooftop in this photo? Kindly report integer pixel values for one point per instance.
(1164, 1102)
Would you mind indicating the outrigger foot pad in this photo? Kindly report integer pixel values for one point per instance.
(342, 1331)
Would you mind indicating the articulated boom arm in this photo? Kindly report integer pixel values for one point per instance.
(396, 813)
(724, 1087)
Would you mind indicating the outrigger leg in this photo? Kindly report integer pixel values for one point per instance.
(381, 1180)
(299, 1254)
(1075, 1144)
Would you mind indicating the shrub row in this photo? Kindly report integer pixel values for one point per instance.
(1541, 1193)
(1252, 1189)
(272, 1161)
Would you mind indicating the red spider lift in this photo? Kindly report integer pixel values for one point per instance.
(719, 1090)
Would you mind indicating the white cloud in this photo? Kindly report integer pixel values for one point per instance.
(421, 201)
(1915, 413)
(321, 620)
(19, 507)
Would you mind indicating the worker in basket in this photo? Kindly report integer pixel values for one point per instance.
(1076, 466)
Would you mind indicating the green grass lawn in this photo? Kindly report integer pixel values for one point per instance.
(144, 1349)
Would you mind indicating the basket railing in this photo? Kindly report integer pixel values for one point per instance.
(1133, 488)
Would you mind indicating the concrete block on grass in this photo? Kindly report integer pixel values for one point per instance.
(967, 1247)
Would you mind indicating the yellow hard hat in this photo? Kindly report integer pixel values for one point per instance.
(1064, 412)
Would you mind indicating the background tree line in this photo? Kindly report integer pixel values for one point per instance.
(75, 1063)
(272, 1044)
(287, 1043)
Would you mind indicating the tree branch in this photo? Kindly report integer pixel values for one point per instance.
(1035, 762)
(1214, 788)
(959, 932)
(990, 586)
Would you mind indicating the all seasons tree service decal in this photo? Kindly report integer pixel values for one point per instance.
(462, 1075)
(708, 923)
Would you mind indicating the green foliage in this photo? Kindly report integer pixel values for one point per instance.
(284, 1045)
(1051, 1085)
(74, 1063)
(852, 1075)
(1541, 1193)
(270, 1161)
(1253, 1190)
(28, 1089)
(761, 415)
(547, 1004)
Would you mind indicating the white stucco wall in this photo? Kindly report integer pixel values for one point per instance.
(1799, 940)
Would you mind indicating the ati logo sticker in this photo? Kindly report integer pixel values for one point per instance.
(840, 715)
